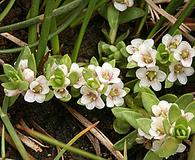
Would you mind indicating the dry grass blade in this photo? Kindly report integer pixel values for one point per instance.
(10, 142)
(166, 1)
(13, 39)
(28, 142)
(171, 18)
(96, 132)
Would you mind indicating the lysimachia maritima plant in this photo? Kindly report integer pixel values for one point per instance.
(63, 79)
(170, 62)
(161, 125)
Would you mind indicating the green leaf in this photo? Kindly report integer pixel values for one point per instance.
(94, 61)
(122, 37)
(148, 101)
(131, 117)
(117, 112)
(166, 126)
(9, 70)
(32, 63)
(168, 84)
(127, 90)
(49, 96)
(171, 98)
(168, 148)
(66, 60)
(124, 52)
(20, 85)
(130, 139)
(131, 14)
(74, 77)
(9, 101)
(24, 54)
(4, 78)
(120, 126)
(87, 74)
(150, 155)
(191, 107)
(112, 16)
(192, 125)
(58, 80)
(75, 92)
(48, 66)
(184, 100)
(131, 65)
(144, 124)
(161, 47)
(174, 113)
(66, 99)
(112, 62)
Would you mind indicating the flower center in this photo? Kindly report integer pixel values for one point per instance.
(147, 58)
(185, 54)
(178, 68)
(114, 92)
(106, 75)
(151, 75)
(91, 96)
(174, 44)
(37, 89)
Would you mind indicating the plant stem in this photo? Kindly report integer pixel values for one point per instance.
(69, 148)
(13, 135)
(191, 153)
(87, 17)
(172, 6)
(3, 143)
(32, 31)
(71, 17)
(44, 31)
(6, 10)
(182, 16)
(61, 10)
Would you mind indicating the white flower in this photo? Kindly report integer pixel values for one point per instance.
(157, 129)
(178, 71)
(184, 53)
(143, 134)
(151, 77)
(135, 44)
(122, 5)
(75, 68)
(91, 98)
(38, 89)
(115, 94)
(171, 42)
(187, 115)
(29, 75)
(61, 93)
(181, 148)
(23, 64)
(146, 56)
(107, 74)
(64, 69)
(11, 93)
(161, 109)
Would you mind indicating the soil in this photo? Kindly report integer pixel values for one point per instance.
(52, 116)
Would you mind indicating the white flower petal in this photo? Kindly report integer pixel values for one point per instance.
(189, 71)
(42, 80)
(166, 40)
(29, 96)
(119, 6)
(172, 77)
(39, 98)
(109, 102)
(161, 76)
(85, 99)
(156, 85)
(181, 148)
(99, 103)
(141, 73)
(90, 106)
(182, 78)
(118, 101)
